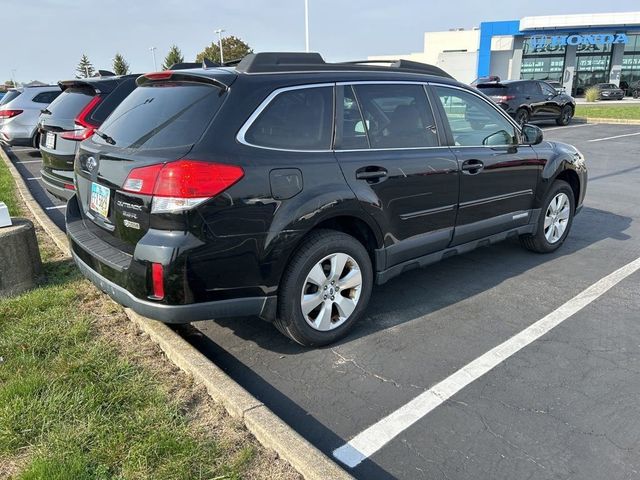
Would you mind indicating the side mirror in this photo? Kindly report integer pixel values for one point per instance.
(531, 134)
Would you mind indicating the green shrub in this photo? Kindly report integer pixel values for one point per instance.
(591, 94)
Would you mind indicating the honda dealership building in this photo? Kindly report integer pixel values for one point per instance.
(576, 50)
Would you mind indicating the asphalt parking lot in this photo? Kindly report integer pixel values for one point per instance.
(564, 406)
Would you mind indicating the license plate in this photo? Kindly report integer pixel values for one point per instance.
(100, 199)
(50, 141)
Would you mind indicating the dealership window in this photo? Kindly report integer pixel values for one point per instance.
(541, 62)
(630, 74)
(593, 64)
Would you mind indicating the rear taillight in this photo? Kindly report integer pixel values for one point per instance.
(183, 184)
(86, 127)
(10, 113)
(504, 98)
(157, 279)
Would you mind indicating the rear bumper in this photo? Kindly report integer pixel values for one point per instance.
(55, 184)
(125, 278)
(240, 307)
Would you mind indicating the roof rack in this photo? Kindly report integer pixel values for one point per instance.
(267, 62)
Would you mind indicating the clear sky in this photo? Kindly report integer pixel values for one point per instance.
(44, 39)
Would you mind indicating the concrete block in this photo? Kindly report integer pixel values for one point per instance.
(20, 263)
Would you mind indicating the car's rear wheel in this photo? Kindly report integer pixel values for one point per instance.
(325, 289)
(556, 218)
(521, 116)
(565, 116)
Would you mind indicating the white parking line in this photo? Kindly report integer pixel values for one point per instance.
(378, 435)
(571, 126)
(29, 161)
(34, 178)
(611, 138)
(56, 207)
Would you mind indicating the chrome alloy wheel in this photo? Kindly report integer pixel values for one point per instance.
(331, 291)
(557, 218)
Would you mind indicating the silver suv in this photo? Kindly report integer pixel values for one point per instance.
(19, 112)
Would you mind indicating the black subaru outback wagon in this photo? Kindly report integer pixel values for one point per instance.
(284, 187)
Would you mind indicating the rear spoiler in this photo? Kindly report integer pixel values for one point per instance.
(181, 75)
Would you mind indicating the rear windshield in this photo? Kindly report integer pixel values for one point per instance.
(492, 89)
(70, 102)
(162, 115)
(10, 95)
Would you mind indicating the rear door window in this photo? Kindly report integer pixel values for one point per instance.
(300, 119)
(397, 116)
(162, 115)
(532, 88)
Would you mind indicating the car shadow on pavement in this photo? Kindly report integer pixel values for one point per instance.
(423, 291)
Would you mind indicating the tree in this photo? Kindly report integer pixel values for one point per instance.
(9, 84)
(232, 47)
(174, 56)
(85, 68)
(120, 65)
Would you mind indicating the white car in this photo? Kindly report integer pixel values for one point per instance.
(20, 109)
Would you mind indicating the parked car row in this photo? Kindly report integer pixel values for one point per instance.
(284, 187)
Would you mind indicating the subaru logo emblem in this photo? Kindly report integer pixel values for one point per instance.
(91, 164)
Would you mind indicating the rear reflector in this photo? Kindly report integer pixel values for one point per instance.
(9, 113)
(69, 186)
(182, 184)
(157, 277)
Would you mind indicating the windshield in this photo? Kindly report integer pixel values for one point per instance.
(493, 90)
(162, 115)
(70, 102)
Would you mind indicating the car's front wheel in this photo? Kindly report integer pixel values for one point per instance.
(565, 116)
(325, 288)
(556, 218)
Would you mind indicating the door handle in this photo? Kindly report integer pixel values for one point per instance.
(369, 174)
(471, 167)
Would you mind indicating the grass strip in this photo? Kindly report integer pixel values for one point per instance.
(627, 112)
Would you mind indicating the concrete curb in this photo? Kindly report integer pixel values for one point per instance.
(617, 121)
(57, 235)
(266, 426)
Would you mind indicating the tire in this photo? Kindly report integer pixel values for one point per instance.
(521, 116)
(35, 140)
(315, 258)
(547, 240)
(565, 116)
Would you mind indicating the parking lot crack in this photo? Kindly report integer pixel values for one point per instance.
(342, 360)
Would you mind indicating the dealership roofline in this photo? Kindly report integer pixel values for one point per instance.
(582, 20)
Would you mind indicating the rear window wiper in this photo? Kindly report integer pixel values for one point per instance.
(105, 137)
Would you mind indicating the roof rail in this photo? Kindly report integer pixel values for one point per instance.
(402, 64)
(104, 73)
(295, 61)
(185, 65)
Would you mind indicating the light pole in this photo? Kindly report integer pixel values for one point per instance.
(153, 54)
(306, 25)
(219, 32)
(13, 77)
